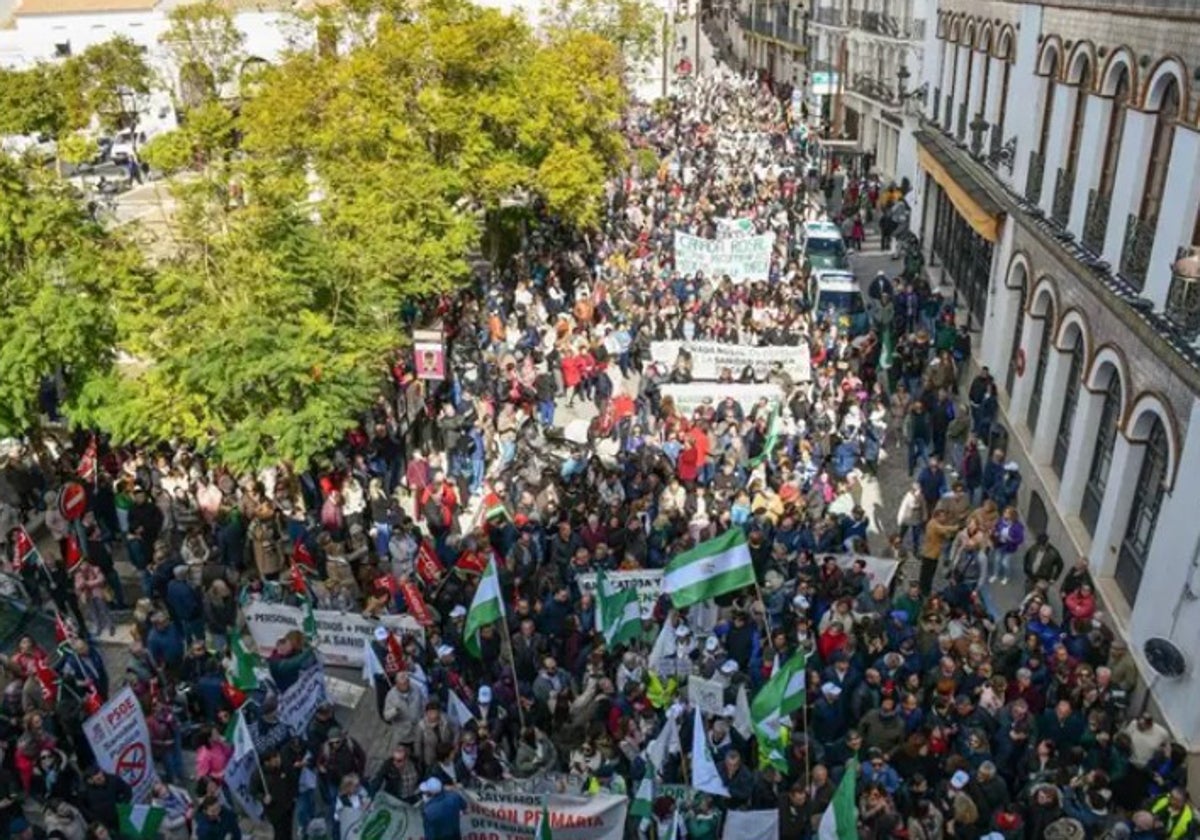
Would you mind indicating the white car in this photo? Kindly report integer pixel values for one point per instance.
(126, 145)
(837, 296)
(823, 246)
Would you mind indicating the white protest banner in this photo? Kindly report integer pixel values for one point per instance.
(706, 695)
(514, 816)
(709, 358)
(299, 703)
(387, 818)
(689, 397)
(879, 570)
(242, 768)
(751, 825)
(740, 259)
(121, 742)
(339, 635)
(647, 582)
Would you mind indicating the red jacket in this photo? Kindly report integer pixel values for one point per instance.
(571, 371)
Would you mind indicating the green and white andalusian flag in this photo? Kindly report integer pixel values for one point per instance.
(618, 613)
(713, 568)
(487, 607)
(140, 821)
(773, 426)
(840, 820)
(542, 832)
(774, 703)
(643, 797)
(244, 663)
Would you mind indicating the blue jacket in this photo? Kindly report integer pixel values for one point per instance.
(166, 645)
(182, 601)
(224, 826)
(441, 816)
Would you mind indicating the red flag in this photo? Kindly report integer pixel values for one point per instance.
(88, 462)
(72, 556)
(235, 697)
(395, 656)
(416, 604)
(472, 561)
(25, 553)
(299, 584)
(429, 567)
(49, 680)
(388, 583)
(303, 557)
(93, 701)
(63, 632)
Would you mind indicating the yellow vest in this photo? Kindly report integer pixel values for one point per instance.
(1178, 826)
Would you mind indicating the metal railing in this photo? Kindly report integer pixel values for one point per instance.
(877, 23)
(867, 85)
(995, 146)
(1183, 300)
(1135, 254)
(1033, 181)
(1064, 192)
(769, 28)
(1095, 223)
(829, 16)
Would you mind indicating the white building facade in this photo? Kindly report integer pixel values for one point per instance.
(866, 65)
(1060, 160)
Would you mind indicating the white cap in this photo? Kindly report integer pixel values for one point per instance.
(729, 667)
(729, 711)
(1012, 466)
(444, 650)
(959, 780)
(682, 630)
(458, 612)
(832, 689)
(381, 634)
(485, 694)
(710, 644)
(432, 786)
(800, 602)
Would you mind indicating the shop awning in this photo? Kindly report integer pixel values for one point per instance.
(966, 192)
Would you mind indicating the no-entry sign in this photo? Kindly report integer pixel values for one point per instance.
(72, 501)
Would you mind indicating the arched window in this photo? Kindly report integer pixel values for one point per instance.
(1018, 330)
(1116, 132)
(1160, 152)
(1081, 101)
(1039, 373)
(1048, 105)
(1062, 441)
(1143, 516)
(1106, 438)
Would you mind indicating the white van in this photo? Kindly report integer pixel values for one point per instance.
(837, 297)
(823, 246)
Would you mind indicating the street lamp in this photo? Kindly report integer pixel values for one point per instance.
(1183, 296)
(903, 75)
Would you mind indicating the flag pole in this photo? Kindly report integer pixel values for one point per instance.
(512, 664)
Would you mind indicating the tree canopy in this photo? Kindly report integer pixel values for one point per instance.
(312, 205)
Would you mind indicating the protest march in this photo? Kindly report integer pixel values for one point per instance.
(666, 615)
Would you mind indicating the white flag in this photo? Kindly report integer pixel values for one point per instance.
(704, 770)
(751, 825)
(371, 665)
(457, 711)
(664, 646)
(664, 744)
(741, 714)
(242, 742)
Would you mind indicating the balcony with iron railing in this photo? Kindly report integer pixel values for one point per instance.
(829, 16)
(865, 84)
(1064, 192)
(1135, 253)
(888, 26)
(1095, 222)
(1183, 297)
(775, 29)
(1033, 182)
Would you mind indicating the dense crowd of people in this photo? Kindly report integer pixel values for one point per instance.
(958, 721)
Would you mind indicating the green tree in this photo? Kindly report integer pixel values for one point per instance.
(31, 101)
(61, 282)
(349, 182)
(634, 26)
(109, 80)
(206, 48)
